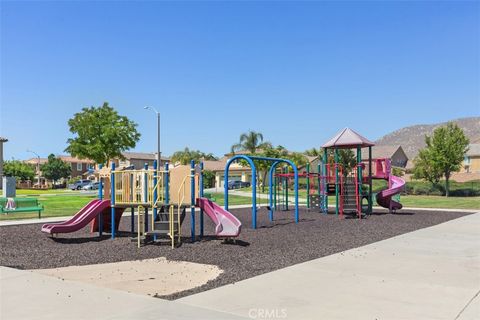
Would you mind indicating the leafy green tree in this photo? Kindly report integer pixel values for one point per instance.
(186, 155)
(208, 179)
(55, 169)
(398, 172)
(425, 169)
(251, 142)
(20, 170)
(101, 134)
(346, 158)
(443, 154)
(314, 152)
(297, 158)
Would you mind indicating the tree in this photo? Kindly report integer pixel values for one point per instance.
(208, 179)
(297, 158)
(425, 168)
(251, 142)
(442, 156)
(101, 134)
(314, 152)
(186, 155)
(20, 170)
(55, 169)
(346, 158)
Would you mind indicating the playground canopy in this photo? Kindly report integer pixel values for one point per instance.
(348, 138)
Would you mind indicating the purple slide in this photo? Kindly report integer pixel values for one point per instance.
(226, 224)
(384, 198)
(80, 220)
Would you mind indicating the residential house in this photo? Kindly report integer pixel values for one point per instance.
(396, 154)
(471, 162)
(79, 167)
(137, 160)
(236, 171)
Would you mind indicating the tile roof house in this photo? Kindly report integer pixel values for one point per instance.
(236, 172)
(78, 166)
(395, 153)
(139, 159)
(471, 162)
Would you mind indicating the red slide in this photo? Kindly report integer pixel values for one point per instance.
(80, 220)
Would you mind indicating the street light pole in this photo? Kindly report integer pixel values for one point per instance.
(38, 166)
(159, 154)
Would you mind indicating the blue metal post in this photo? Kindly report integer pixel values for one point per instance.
(286, 188)
(271, 185)
(112, 201)
(145, 191)
(132, 216)
(100, 197)
(155, 196)
(192, 199)
(201, 196)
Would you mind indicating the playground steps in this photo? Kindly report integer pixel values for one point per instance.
(161, 226)
(349, 197)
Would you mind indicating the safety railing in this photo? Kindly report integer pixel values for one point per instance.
(137, 187)
(181, 198)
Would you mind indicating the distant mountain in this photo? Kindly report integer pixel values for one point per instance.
(412, 138)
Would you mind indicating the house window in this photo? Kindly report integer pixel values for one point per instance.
(79, 167)
(466, 160)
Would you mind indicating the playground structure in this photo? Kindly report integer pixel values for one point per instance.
(351, 187)
(168, 193)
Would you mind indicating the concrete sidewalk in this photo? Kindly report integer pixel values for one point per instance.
(31, 296)
(433, 273)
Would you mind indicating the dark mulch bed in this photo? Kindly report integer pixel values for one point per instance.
(270, 247)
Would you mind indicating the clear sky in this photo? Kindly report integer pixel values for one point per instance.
(296, 71)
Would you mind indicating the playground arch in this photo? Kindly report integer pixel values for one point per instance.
(275, 161)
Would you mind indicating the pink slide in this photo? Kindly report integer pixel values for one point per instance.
(384, 198)
(80, 220)
(226, 224)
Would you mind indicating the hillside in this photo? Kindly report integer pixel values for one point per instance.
(412, 138)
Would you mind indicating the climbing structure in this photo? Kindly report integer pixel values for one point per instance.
(166, 192)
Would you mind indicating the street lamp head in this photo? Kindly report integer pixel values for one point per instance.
(151, 108)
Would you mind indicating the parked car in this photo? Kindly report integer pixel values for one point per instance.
(91, 186)
(238, 184)
(77, 185)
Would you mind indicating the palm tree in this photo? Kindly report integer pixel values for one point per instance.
(251, 142)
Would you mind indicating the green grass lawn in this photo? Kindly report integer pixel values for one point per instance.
(33, 192)
(235, 200)
(55, 206)
(441, 202)
(67, 205)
